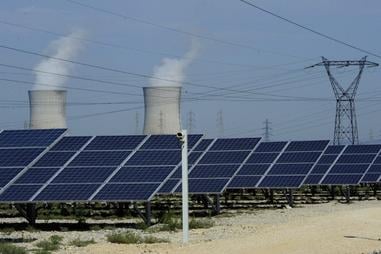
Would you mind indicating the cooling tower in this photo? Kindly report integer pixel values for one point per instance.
(47, 109)
(162, 110)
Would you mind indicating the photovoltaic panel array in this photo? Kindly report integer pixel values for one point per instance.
(329, 156)
(256, 166)
(351, 165)
(293, 165)
(20, 148)
(373, 174)
(218, 164)
(101, 168)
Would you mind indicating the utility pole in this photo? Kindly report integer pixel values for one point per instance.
(267, 134)
(191, 122)
(161, 122)
(220, 123)
(346, 130)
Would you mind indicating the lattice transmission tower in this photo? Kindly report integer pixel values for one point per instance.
(346, 130)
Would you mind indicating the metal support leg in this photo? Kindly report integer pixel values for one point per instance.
(148, 213)
(347, 194)
(290, 197)
(217, 204)
(28, 211)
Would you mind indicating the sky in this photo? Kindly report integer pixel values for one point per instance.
(249, 66)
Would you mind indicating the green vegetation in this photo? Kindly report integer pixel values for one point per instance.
(6, 248)
(169, 222)
(52, 244)
(133, 238)
(81, 243)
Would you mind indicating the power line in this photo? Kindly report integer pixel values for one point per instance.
(310, 29)
(176, 30)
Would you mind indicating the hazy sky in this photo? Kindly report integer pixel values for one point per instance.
(266, 56)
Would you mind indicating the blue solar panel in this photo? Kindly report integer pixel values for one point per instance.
(320, 169)
(224, 157)
(281, 181)
(141, 174)
(115, 142)
(153, 158)
(362, 149)
(70, 143)
(213, 171)
(203, 145)
(123, 192)
(203, 186)
(356, 158)
(262, 157)
(253, 169)
(234, 144)
(168, 186)
(313, 179)
(67, 192)
(328, 159)
(54, 159)
(166, 142)
(370, 178)
(341, 179)
(242, 182)
(290, 169)
(270, 147)
(29, 138)
(8, 174)
(372, 169)
(36, 175)
(83, 175)
(334, 149)
(100, 158)
(18, 157)
(298, 157)
(305, 146)
(16, 193)
(378, 160)
(193, 157)
(349, 169)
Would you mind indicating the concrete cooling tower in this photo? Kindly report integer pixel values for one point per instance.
(47, 109)
(162, 110)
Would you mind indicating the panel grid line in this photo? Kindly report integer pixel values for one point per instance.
(242, 164)
(176, 168)
(374, 159)
(272, 164)
(118, 168)
(51, 179)
(31, 164)
(195, 164)
(333, 163)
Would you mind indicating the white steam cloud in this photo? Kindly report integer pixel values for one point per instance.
(65, 47)
(174, 68)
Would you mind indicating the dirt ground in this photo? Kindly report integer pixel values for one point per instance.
(325, 228)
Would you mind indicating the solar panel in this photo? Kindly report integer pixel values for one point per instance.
(370, 178)
(203, 145)
(167, 142)
(262, 157)
(36, 175)
(168, 186)
(305, 146)
(290, 169)
(71, 143)
(115, 142)
(155, 157)
(242, 182)
(299, 157)
(270, 146)
(8, 174)
(100, 158)
(54, 159)
(18, 193)
(67, 192)
(334, 149)
(234, 157)
(83, 175)
(313, 179)
(234, 144)
(142, 174)
(18, 157)
(320, 169)
(352, 165)
(213, 171)
(289, 181)
(253, 169)
(29, 138)
(373, 172)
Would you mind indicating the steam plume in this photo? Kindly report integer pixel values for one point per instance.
(64, 47)
(174, 68)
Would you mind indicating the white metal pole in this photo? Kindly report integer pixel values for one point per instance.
(184, 164)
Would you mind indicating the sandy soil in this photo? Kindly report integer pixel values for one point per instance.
(326, 228)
